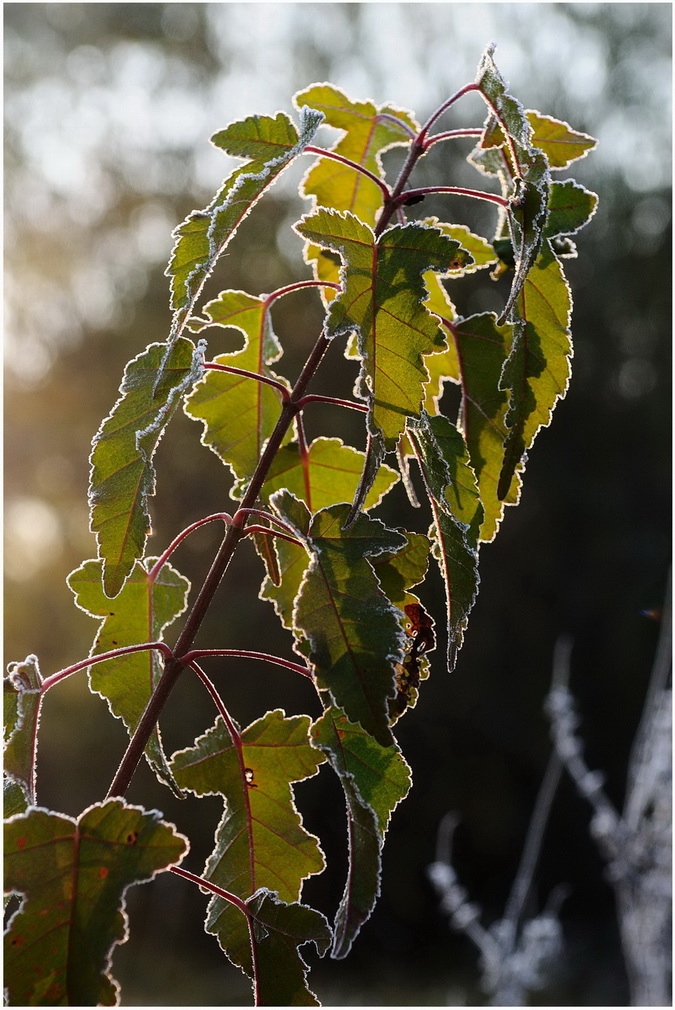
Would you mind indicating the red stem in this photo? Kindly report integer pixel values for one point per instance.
(451, 134)
(84, 664)
(421, 137)
(316, 398)
(477, 194)
(154, 571)
(213, 888)
(264, 515)
(273, 533)
(351, 164)
(280, 292)
(214, 366)
(264, 657)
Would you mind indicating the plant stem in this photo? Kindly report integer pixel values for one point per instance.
(451, 135)
(214, 366)
(317, 398)
(477, 194)
(247, 654)
(297, 286)
(351, 164)
(84, 664)
(161, 561)
(235, 532)
(213, 888)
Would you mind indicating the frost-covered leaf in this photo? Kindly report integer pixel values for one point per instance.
(270, 144)
(383, 300)
(571, 206)
(400, 570)
(148, 603)
(330, 473)
(536, 372)
(367, 132)
(344, 623)
(458, 513)
(122, 475)
(560, 143)
(21, 704)
(239, 413)
(260, 841)
(74, 875)
(293, 559)
(375, 779)
(269, 952)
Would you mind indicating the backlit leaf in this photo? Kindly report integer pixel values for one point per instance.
(21, 703)
(269, 952)
(345, 624)
(293, 559)
(239, 413)
(383, 299)
(367, 132)
(536, 372)
(73, 875)
(571, 206)
(560, 143)
(329, 474)
(122, 475)
(260, 841)
(375, 779)
(147, 604)
(458, 513)
(270, 144)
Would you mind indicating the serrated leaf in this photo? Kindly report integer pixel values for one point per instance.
(15, 799)
(571, 206)
(293, 559)
(122, 475)
(330, 473)
(475, 252)
(344, 623)
(269, 952)
(239, 413)
(400, 570)
(271, 144)
(383, 300)
(145, 607)
(536, 372)
(375, 779)
(368, 131)
(260, 841)
(458, 513)
(74, 875)
(22, 693)
(560, 143)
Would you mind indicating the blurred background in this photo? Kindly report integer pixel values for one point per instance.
(108, 111)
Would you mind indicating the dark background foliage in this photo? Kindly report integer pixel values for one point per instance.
(108, 111)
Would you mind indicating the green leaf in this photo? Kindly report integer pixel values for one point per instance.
(74, 875)
(148, 603)
(571, 206)
(14, 798)
(330, 473)
(270, 144)
(122, 473)
(22, 692)
(383, 299)
(345, 624)
(475, 252)
(269, 951)
(367, 132)
(536, 372)
(239, 413)
(482, 347)
(400, 570)
(560, 143)
(375, 779)
(458, 513)
(260, 841)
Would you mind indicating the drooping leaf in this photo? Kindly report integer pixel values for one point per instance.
(344, 623)
(522, 168)
(293, 559)
(400, 570)
(536, 372)
(330, 473)
(122, 475)
(239, 413)
(21, 703)
(383, 300)
(571, 206)
(560, 143)
(375, 779)
(367, 132)
(482, 348)
(458, 513)
(148, 603)
(74, 875)
(269, 952)
(270, 144)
